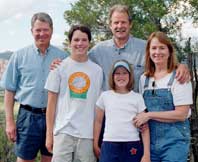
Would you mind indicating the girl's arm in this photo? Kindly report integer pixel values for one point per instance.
(179, 114)
(50, 115)
(146, 142)
(97, 129)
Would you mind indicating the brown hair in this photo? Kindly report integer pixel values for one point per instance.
(172, 61)
(119, 8)
(82, 28)
(130, 84)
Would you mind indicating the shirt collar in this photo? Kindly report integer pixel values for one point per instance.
(125, 45)
(37, 50)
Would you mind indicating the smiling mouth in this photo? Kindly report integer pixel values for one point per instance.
(120, 30)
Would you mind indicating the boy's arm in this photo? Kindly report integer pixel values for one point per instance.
(50, 116)
(97, 129)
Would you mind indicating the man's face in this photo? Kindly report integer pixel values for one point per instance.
(120, 25)
(42, 33)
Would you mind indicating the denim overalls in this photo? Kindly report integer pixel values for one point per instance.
(169, 141)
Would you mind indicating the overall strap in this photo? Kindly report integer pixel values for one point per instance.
(172, 79)
(146, 83)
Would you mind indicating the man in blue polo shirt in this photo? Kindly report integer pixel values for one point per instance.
(24, 81)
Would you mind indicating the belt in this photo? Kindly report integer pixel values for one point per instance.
(34, 110)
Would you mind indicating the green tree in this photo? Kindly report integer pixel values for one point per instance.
(146, 15)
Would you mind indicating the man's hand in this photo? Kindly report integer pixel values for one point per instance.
(11, 130)
(182, 74)
(55, 63)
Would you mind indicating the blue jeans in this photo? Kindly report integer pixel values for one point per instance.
(169, 141)
(31, 132)
(121, 151)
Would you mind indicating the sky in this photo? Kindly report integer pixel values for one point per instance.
(15, 21)
(15, 18)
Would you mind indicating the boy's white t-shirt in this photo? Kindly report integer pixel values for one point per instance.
(120, 109)
(78, 86)
(182, 93)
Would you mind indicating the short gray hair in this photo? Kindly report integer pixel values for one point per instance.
(42, 16)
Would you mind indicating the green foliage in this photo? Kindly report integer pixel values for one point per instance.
(146, 15)
(6, 147)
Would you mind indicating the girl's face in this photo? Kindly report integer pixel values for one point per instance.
(159, 52)
(121, 78)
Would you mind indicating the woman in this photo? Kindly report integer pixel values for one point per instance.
(167, 105)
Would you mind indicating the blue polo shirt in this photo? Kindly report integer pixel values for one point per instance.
(27, 72)
(106, 53)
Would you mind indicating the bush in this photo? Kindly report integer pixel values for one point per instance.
(6, 147)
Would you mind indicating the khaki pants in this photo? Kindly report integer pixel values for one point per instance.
(67, 148)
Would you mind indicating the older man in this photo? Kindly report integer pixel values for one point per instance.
(24, 82)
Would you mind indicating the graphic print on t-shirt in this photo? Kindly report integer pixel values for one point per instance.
(79, 84)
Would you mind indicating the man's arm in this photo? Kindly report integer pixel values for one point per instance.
(9, 114)
(182, 74)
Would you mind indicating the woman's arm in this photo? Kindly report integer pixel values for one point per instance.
(50, 116)
(179, 114)
(97, 129)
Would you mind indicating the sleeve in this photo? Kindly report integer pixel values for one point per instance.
(141, 104)
(100, 102)
(53, 81)
(182, 93)
(100, 81)
(93, 54)
(11, 75)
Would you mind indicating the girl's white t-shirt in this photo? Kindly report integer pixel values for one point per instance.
(120, 109)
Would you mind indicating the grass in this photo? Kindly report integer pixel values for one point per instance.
(6, 147)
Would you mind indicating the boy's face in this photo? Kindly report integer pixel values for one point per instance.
(79, 44)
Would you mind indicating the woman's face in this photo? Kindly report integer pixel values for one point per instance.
(159, 52)
(121, 78)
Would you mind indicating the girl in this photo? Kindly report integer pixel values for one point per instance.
(121, 142)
